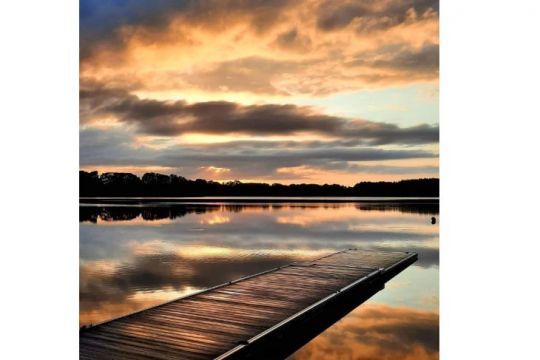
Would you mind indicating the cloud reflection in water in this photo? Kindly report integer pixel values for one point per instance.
(377, 332)
(133, 257)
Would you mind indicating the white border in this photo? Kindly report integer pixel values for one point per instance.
(489, 178)
(39, 163)
(489, 162)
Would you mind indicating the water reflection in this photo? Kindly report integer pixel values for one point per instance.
(134, 256)
(154, 274)
(374, 331)
(111, 212)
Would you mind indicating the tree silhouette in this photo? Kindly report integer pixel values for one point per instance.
(158, 185)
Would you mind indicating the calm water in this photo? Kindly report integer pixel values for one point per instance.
(136, 256)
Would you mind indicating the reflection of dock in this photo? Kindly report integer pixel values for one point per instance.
(267, 315)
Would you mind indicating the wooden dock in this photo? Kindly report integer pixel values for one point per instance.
(264, 316)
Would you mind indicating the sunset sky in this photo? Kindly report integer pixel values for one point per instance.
(335, 91)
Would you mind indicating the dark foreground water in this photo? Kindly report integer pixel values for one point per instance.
(134, 256)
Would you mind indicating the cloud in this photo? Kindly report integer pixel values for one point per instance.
(371, 15)
(293, 40)
(111, 22)
(101, 21)
(424, 60)
(247, 160)
(280, 48)
(253, 74)
(166, 118)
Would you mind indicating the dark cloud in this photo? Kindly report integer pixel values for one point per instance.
(171, 118)
(293, 40)
(259, 14)
(101, 21)
(245, 159)
(424, 60)
(370, 15)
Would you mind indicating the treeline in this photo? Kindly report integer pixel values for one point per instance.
(159, 185)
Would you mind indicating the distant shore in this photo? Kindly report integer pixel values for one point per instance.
(159, 186)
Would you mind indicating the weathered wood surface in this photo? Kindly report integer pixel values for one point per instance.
(231, 320)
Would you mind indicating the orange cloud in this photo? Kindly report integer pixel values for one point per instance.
(297, 48)
(349, 174)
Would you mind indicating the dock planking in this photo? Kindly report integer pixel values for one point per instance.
(266, 315)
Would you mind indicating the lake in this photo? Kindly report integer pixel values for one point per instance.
(135, 254)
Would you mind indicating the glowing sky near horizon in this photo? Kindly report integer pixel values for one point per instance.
(284, 91)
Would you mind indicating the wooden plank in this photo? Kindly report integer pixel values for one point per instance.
(233, 319)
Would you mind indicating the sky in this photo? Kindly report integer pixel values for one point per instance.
(311, 91)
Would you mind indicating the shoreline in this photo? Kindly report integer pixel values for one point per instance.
(253, 199)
